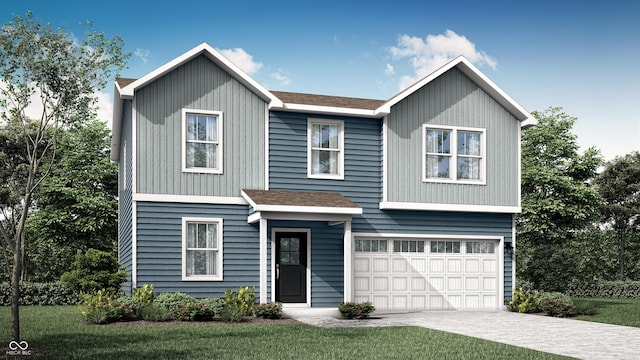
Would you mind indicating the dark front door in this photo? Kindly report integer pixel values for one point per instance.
(291, 267)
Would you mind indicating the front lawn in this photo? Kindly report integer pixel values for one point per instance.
(613, 311)
(57, 332)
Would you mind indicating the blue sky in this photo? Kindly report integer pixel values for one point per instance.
(581, 55)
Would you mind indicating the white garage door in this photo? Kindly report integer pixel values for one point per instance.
(426, 274)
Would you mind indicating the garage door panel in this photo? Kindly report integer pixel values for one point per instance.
(418, 283)
(489, 283)
(400, 302)
(424, 280)
(472, 301)
(381, 283)
(399, 265)
(380, 265)
(454, 266)
(489, 265)
(472, 283)
(454, 283)
(472, 266)
(437, 283)
(361, 284)
(399, 283)
(361, 265)
(419, 265)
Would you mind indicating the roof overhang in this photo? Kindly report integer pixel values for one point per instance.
(297, 205)
(467, 68)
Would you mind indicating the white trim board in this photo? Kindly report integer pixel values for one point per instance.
(191, 199)
(393, 205)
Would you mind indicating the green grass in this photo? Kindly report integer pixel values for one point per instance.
(613, 311)
(57, 332)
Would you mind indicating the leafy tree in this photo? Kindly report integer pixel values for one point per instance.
(94, 270)
(63, 74)
(76, 204)
(557, 199)
(619, 186)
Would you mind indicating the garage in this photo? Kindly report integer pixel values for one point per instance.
(427, 274)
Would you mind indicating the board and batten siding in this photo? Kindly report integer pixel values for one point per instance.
(159, 248)
(452, 100)
(125, 198)
(327, 260)
(362, 184)
(199, 84)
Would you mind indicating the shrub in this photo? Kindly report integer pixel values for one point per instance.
(351, 310)
(232, 313)
(172, 301)
(130, 303)
(555, 296)
(156, 312)
(216, 305)
(144, 294)
(53, 293)
(558, 308)
(524, 301)
(269, 311)
(606, 289)
(124, 309)
(95, 306)
(244, 299)
(94, 270)
(194, 311)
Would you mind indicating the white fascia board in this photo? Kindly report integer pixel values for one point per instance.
(309, 209)
(255, 217)
(190, 199)
(248, 199)
(391, 205)
(116, 124)
(216, 57)
(328, 110)
(525, 118)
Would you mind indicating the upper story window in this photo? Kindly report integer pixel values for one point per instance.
(325, 155)
(202, 141)
(454, 155)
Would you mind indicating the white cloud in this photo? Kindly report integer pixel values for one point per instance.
(389, 70)
(431, 53)
(241, 59)
(142, 54)
(282, 79)
(105, 107)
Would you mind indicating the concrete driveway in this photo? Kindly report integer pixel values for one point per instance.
(580, 339)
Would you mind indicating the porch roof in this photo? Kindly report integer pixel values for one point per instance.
(296, 202)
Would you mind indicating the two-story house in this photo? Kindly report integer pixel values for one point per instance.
(407, 202)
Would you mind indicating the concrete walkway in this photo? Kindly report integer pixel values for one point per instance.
(580, 339)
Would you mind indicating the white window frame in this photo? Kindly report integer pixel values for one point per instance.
(219, 150)
(340, 124)
(453, 155)
(220, 257)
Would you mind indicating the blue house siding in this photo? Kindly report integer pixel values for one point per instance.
(363, 185)
(327, 260)
(159, 247)
(125, 210)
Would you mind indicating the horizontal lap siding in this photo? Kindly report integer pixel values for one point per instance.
(363, 183)
(327, 260)
(125, 210)
(159, 248)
